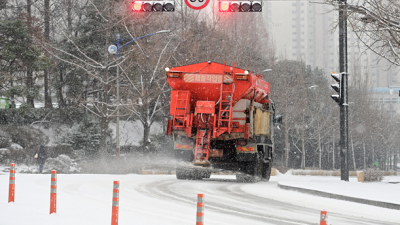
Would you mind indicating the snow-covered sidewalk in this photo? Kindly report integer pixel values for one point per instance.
(386, 191)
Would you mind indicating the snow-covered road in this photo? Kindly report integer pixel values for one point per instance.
(161, 199)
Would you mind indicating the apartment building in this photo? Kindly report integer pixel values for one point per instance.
(303, 30)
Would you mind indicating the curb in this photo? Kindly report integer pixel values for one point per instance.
(342, 197)
(151, 172)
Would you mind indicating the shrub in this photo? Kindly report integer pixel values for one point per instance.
(371, 175)
(62, 164)
(18, 156)
(86, 137)
(5, 139)
(25, 136)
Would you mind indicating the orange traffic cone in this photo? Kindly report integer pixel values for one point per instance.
(115, 204)
(11, 190)
(53, 192)
(324, 218)
(200, 210)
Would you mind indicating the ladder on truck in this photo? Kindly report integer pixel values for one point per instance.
(225, 109)
(202, 149)
(181, 107)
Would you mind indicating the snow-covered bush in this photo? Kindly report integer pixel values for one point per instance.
(63, 164)
(25, 136)
(85, 137)
(371, 175)
(5, 139)
(17, 155)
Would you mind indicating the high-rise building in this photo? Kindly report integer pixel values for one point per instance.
(302, 30)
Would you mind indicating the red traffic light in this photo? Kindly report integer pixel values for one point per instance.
(223, 6)
(153, 6)
(137, 6)
(240, 6)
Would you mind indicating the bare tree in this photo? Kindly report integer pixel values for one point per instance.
(377, 25)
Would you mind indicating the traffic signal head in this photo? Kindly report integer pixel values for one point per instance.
(153, 6)
(336, 77)
(336, 98)
(337, 88)
(240, 6)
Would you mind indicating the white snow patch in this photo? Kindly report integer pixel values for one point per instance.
(16, 146)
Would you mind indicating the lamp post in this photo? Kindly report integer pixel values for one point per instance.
(114, 49)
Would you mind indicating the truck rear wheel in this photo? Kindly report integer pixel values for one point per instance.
(266, 172)
(181, 173)
(252, 171)
(184, 173)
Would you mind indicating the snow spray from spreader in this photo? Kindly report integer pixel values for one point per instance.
(115, 204)
(53, 192)
(200, 209)
(11, 190)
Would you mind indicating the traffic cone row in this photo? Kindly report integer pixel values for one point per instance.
(115, 199)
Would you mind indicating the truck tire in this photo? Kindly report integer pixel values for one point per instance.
(266, 172)
(206, 175)
(252, 171)
(181, 173)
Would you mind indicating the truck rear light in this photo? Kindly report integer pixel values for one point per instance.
(241, 77)
(240, 143)
(173, 74)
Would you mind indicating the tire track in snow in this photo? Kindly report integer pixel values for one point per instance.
(237, 192)
(167, 190)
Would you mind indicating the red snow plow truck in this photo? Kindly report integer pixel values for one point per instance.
(222, 117)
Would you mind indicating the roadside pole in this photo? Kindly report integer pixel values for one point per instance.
(344, 107)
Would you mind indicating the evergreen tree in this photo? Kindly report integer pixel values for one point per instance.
(86, 137)
(16, 55)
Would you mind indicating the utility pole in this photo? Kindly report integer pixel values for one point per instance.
(344, 106)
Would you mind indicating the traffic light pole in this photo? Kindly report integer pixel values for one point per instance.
(344, 106)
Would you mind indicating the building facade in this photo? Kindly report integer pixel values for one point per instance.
(306, 31)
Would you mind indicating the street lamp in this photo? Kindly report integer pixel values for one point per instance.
(114, 49)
